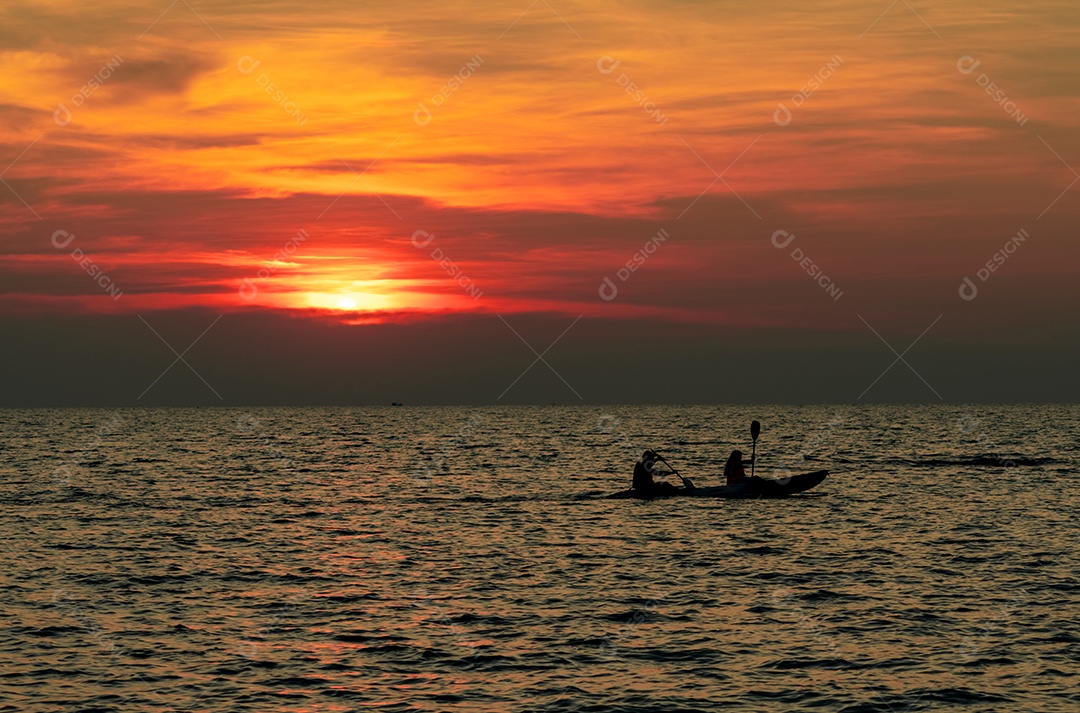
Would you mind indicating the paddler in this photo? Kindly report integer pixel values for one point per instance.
(643, 477)
(735, 469)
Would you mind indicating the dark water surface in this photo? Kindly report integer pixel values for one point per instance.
(431, 559)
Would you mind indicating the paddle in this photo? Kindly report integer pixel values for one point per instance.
(686, 482)
(755, 429)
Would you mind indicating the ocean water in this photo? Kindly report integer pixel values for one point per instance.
(460, 559)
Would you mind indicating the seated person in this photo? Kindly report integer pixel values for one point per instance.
(734, 470)
(643, 477)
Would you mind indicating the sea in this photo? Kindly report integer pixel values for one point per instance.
(464, 559)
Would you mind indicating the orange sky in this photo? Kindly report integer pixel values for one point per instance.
(506, 130)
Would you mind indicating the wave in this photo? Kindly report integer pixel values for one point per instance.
(761, 550)
(634, 616)
(991, 460)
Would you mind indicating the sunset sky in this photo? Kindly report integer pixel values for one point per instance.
(363, 202)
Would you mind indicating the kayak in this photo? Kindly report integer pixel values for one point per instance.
(749, 488)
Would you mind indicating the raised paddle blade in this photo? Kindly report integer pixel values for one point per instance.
(755, 429)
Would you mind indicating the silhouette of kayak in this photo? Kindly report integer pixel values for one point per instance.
(749, 488)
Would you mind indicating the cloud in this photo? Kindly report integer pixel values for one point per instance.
(137, 79)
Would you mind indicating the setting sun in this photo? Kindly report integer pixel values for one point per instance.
(351, 302)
